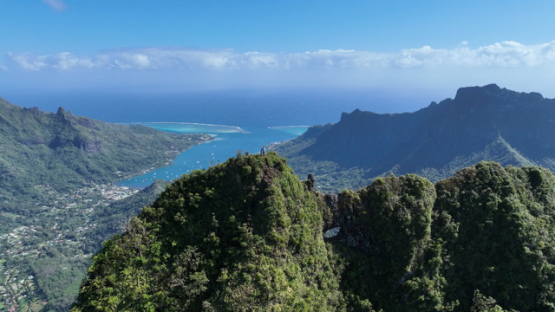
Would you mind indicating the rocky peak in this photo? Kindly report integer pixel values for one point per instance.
(467, 93)
(493, 91)
(61, 111)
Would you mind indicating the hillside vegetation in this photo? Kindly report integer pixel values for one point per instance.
(66, 151)
(57, 199)
(247, 235)
(481, 123)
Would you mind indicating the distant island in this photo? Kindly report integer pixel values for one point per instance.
(480, 123)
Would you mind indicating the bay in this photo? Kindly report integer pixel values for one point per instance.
(229, 140)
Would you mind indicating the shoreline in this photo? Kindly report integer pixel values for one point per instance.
(219, 148)
(168, 162)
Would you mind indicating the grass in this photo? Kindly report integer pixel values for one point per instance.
(22, 305)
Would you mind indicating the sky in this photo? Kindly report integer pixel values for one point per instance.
(429, 48)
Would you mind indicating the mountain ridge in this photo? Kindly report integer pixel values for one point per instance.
(247, 235)
(40, 147)
(432, 139)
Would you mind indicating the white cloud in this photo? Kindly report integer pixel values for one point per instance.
(60, 61)
(507, 54)
(26, 61)
(66, 60)
(56, 5)
(138, 59)
(511, 64)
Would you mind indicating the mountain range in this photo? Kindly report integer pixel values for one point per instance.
(480, 123)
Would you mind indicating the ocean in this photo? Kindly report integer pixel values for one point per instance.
(242, 108)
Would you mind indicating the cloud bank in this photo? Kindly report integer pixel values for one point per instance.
(507, 54)
(511, 64)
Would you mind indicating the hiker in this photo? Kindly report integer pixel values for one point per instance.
(262, 151)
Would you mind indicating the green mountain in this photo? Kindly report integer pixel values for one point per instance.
(480, 123)
(247, 235)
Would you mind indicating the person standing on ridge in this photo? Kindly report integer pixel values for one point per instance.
(262, 151)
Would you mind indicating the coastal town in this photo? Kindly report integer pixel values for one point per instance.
(63, 225)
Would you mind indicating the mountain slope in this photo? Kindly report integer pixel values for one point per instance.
(246, 235)
(64, 151)
(480, 123)
(495, 227)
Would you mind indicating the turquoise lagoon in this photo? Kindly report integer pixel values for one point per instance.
(228, 141)
(187, 127)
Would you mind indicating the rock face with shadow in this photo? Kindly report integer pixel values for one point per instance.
(486, 123)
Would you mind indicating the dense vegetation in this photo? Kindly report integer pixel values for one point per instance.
(480, 123)
(247, 235)
(243, 235)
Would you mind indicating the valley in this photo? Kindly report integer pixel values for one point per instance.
(59, 200)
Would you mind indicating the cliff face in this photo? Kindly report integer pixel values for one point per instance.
(480, 123)
(71, 131)
(246, 235)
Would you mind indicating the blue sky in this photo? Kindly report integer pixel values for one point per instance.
(430, 47)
